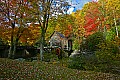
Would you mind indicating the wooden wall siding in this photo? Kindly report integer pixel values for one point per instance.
(60, 39)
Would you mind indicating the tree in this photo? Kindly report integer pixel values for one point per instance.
(114, 15)
(42, 11)
(91, 17)
(111, 34)
(14, 13)
(30, 35)
(96, 17)
(78, 28)
(65, 24)
(5, 34)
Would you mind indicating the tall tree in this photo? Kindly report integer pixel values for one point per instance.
(96, 17)
(114, 13)
(78, 28)
(14, 13)
(43, 10)
(30, 35)
(65, 24)
(91, 17)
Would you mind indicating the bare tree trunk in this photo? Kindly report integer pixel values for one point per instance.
(115, 24)
(14, 50)
(15, 46)
(12, 42)
(117, 31)
(10, 51)
(116, 27)
(42, 45)
(41, 49)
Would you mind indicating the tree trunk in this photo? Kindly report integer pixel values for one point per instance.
(41, 49)
(11, 45)
(42, 45)
(14, 43)
(15, 46)
(105, 32)
(14, 50)
(116, 27)
(115, 24)
(117, 31)
(10, 51)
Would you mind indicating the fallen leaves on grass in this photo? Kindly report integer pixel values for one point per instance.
(12, 70)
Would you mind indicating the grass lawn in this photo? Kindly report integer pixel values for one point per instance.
(21, 70)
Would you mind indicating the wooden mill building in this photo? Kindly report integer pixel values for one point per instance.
(59, 40)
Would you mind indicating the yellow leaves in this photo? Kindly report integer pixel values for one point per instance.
(30, 35)
(5, 34)
(79, 23)
(80, 32)
(113, 5)
(57, 28)
(117, 41)
(73, 14)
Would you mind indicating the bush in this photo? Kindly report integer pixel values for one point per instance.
(77, 63)
(108, 51)
(90, 62)
(49, 57)
(92, 41)
(75, 44)
(83, 62)
(108, 56)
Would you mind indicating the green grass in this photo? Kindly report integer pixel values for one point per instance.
(21, 70)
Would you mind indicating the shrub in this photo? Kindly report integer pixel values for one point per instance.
(76, 44)
(83, 62)
(77, 63)
(108, 51)
(49, 57)
(93, 40)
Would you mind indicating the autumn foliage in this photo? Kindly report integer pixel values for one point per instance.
(68, 31)
(28, 37)
(91, 18)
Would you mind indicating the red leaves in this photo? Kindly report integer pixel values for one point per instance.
(91, 18)
(90, 24)
(25, 0)
(70, 28)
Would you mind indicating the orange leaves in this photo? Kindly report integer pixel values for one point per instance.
(30, 35)
(68, 31)
(80, 32)
(5, 34)
(70, 28)
(15, 16)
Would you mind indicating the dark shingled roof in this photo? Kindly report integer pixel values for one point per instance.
(61, 35)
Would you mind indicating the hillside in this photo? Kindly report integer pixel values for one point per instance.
(21, 70)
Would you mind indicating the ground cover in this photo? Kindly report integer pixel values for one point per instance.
(22, 70)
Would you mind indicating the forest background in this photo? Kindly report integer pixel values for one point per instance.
(95, 18)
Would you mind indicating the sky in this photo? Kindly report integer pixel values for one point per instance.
(76, 4)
